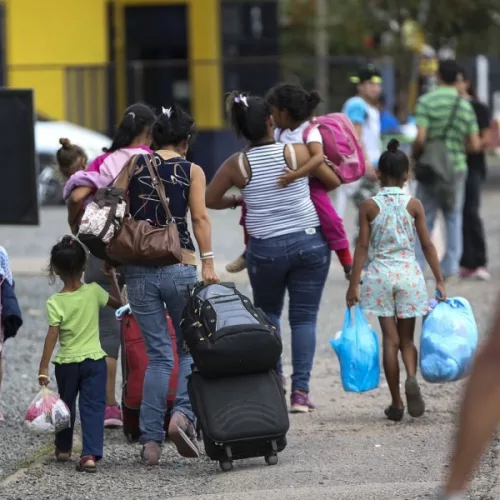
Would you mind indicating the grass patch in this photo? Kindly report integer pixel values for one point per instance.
(44, 450)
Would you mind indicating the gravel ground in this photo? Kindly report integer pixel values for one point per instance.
(346, 450)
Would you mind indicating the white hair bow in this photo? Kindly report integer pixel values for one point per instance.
(166, 111)
(241, 99)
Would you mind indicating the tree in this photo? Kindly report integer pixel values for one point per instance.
(374, 28)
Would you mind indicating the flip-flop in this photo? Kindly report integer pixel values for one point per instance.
(394, 414)
(414, 400)
(185, 445)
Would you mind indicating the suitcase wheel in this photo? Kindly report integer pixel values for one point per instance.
(226, 465)
(271, 459)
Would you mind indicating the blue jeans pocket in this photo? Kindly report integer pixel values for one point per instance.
(316, 255)
(185, 279)
(256, 262)
(136, 288)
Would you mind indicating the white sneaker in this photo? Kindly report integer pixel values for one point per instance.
(482, 274)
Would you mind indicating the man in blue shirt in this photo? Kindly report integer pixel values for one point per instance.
(363, 111)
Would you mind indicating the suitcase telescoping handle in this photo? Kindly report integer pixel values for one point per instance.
(227, 284)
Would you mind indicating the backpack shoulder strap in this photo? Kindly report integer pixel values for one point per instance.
(453, 113)
(158, 185)
(307, 130)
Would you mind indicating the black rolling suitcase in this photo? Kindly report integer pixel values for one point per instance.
(241, 416)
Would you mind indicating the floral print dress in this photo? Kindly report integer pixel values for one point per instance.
(393, 283)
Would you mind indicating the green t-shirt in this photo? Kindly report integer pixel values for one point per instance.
(433, 112)
(77, 316)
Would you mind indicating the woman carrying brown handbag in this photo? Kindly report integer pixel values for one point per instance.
(150, 287)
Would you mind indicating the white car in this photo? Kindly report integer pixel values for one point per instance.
(47, 135)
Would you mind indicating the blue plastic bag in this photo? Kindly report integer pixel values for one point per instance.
(357, 348)
(448, 341)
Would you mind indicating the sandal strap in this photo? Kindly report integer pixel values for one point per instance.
(86, 459)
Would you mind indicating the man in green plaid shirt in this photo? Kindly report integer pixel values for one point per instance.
(433, 113)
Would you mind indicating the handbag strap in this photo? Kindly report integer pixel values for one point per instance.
(158, 185)
(452, 117)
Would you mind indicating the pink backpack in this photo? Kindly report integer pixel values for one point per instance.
(341, 145)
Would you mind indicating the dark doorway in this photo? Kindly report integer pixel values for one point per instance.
(157, 54)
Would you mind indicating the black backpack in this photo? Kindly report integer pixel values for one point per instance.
(226, 334)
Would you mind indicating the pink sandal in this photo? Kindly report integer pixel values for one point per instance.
(87, 464)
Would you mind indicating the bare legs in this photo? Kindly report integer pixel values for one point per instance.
(398, 336)
(390, 358)
(111, 382)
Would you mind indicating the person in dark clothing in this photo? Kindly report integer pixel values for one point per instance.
(473, 263)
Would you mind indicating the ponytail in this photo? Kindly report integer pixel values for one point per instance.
(137, 119)
(70, 158)
(394, 163)
(248, 115)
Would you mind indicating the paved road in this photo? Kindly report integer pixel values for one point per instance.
(344, 451)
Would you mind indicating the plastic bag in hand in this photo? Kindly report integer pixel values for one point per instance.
(357, 348)
(448, 341)
(47, 413)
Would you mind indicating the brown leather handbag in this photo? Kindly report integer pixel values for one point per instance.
(139, 243)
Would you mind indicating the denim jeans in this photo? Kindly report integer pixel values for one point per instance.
(297, 262)
(149, 290)
(450, 265)
(87, 379)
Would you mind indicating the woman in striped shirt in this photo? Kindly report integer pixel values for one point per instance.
(286, 250)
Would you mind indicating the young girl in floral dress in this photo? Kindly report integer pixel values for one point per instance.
(393, 286)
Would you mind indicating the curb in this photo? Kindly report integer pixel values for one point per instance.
(37, 460)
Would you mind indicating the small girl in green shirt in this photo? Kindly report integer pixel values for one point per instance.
(80, 366)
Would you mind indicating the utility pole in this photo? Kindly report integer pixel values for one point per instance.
(322, 53)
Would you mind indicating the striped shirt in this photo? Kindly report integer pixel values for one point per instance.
(433, 113)
(272, 210)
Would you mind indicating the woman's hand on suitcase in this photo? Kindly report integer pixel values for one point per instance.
(208, 274)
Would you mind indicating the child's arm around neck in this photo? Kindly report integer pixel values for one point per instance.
(316, 158)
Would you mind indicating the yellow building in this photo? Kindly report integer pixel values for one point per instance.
(88, 59)
(63, 50)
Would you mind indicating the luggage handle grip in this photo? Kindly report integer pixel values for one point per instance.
(227, 284)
